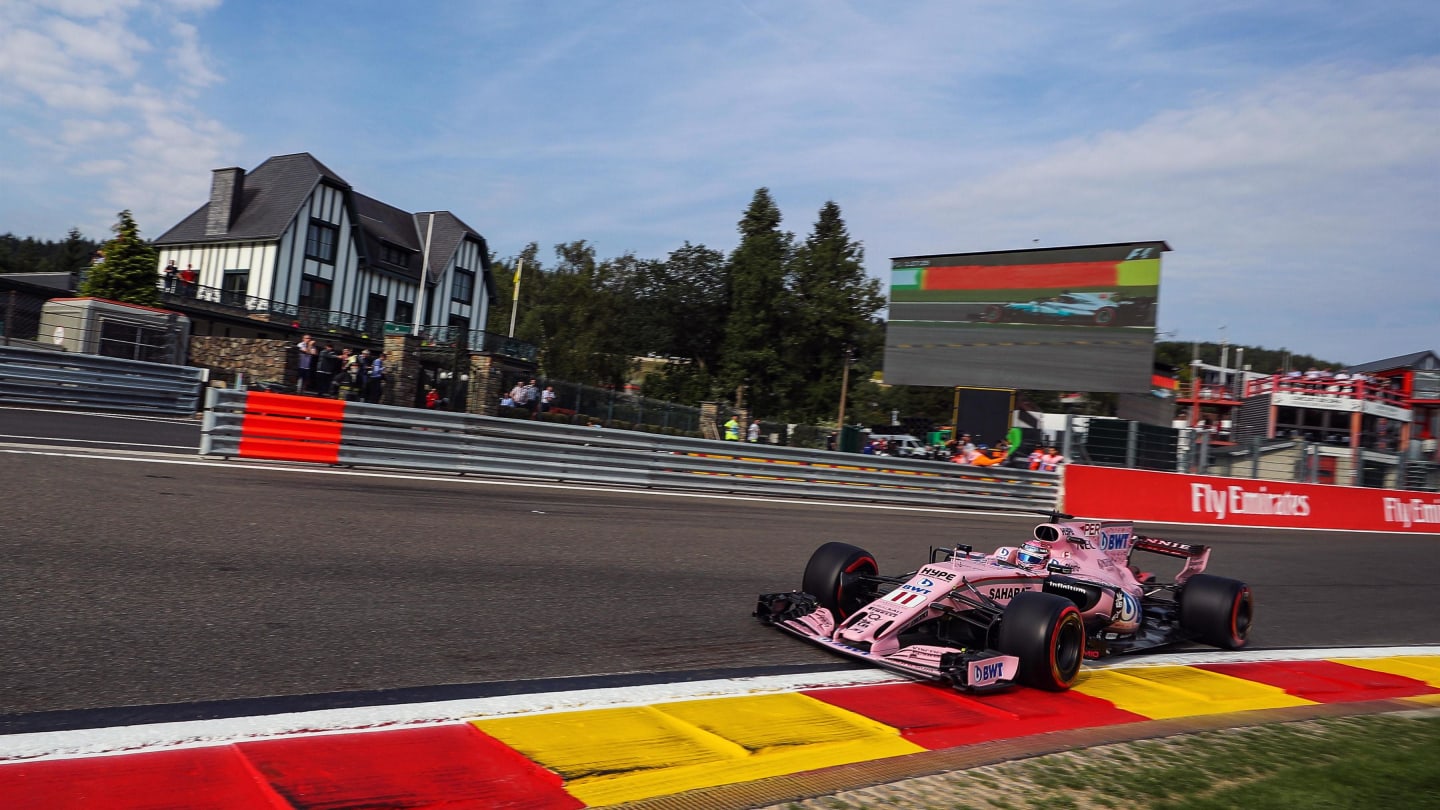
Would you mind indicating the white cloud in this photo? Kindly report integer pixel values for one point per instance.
(101, 92)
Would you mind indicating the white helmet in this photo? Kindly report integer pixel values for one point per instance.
(1031, 554)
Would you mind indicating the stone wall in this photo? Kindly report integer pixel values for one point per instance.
(402, 363)
(259, 359)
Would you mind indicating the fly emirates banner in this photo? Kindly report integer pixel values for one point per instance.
(1107, 492)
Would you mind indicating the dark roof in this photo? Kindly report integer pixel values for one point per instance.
(383, 223)
(1424, 361)
(446, 238)
(273, 192)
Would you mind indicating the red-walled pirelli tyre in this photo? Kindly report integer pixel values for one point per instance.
(1047, 634)
(1217, 611)
(1104, 316)
(833, 576)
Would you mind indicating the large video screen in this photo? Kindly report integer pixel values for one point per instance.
(1054, 319)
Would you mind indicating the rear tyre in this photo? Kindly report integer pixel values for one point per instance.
(1047, 634)
(993, 313)
(834, 576)
(1217, 611)
(1104, 316)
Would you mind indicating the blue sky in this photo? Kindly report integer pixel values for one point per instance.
(1289, 152)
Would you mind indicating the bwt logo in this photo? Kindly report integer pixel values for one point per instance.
(985, 673)
(1237, 500)
(1411, 511)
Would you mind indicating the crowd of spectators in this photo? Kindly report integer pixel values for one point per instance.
(324, 371)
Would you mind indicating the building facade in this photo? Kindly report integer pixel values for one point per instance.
(291, 245)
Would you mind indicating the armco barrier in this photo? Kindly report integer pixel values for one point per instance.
(293, 428)
(42, 377)
(1107, 492)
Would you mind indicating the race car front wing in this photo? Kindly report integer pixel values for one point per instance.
(801, 615)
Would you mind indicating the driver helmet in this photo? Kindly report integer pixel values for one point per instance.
(1032, 554)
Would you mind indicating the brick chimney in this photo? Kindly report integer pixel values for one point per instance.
(226, 188)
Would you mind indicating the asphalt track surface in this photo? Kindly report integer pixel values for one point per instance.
(139, 580)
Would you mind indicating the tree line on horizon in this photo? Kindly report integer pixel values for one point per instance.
(769, 326)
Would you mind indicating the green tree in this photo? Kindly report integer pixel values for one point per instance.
(833, 306)
(128, 270)
(754, 331)
(574, 318)
(676, 311)
(73, 254)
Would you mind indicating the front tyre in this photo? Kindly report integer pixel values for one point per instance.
(838, 576)
(1047, 634)
(1217, 611)
(1104, 316)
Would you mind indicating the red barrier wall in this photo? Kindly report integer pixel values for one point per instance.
(1107, 492)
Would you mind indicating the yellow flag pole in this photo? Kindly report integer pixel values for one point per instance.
(515, 305)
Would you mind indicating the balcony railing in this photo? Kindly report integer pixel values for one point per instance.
(1343, 388)
(326, 321)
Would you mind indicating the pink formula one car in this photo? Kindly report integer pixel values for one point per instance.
(1026, 615)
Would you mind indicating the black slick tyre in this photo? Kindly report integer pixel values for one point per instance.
(835, 575)
(1217, 611)
(1047, 634)
(1104, 316)
(993, 313)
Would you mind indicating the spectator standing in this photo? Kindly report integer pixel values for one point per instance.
(1051, 460)
(327, 363)
(1037, 457)
(752, 434)
(732, 430)
(532, 398)
(188, 278)
(172, 276)
(547, 399)
(375, 379)
(305, 376)
(344, 382)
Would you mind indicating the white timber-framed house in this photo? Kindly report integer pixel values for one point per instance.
(291, 247)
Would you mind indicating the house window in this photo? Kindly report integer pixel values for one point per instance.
(459, 330)
(320, 241)
(234, 287)
(394, 255)
(404, 312)
(463, 288)
(314, 293)
(375, 307)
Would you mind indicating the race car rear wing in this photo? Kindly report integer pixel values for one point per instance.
(1195, 555)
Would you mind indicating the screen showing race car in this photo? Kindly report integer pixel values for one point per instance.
(1057, 319)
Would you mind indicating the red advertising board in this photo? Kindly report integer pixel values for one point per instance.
(1141, 495)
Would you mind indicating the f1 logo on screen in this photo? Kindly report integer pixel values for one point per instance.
(1140, 253)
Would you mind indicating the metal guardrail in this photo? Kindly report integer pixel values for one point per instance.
(44, 377)
(467, 444)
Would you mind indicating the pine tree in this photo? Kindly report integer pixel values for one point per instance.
(128, 269)
(834, 308)
(755, 329)
(73, 253)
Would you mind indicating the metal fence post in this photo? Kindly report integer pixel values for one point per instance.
(1204, 464)
(1132, 444)
(9, 325)
(1067, 448)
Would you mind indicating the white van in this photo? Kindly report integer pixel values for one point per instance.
(905, 444)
